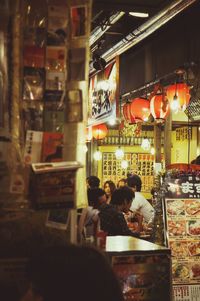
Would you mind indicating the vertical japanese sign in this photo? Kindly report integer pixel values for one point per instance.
(183, 230)
(103, 95)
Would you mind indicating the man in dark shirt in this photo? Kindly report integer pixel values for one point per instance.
(111, 215)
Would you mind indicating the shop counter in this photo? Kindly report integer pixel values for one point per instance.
(143, 268)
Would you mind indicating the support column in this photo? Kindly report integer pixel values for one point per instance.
(157, 142)
(167, 140)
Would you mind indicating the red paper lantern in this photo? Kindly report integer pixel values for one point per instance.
(182, 91)
(99, 131)
(127, 113)
(140, 109)
(159, 106)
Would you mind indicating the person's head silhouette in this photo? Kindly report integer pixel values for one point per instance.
(71, 273)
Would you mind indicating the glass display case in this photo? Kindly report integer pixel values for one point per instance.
(143, 268)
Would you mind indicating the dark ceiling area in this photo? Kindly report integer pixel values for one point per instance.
(102, 13)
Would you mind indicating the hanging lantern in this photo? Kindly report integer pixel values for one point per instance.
(99, 131)
(140, 109)
(88, 134)
(145, 145)
(129, 118)
(178, 96)
(159, 107)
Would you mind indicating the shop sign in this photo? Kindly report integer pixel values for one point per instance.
(103, 95)
(187, 186)
(182, 220)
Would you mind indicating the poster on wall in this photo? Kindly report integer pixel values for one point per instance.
(182, 208)
(103, 95)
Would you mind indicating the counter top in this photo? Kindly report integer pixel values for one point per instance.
(127, 244)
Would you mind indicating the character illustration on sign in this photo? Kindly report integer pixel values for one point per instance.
(103, 94)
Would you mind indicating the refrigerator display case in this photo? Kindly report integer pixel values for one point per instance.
(142, 268)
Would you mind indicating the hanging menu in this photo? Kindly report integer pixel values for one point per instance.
(183, 230)
(140, 164)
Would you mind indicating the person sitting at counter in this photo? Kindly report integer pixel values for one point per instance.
(89, 216)
(121, 183)
(140, 204)
(109, 187)
(111, 215)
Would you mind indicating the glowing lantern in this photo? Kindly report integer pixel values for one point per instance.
(99, 131)
(178, 96)
(140, 109)
(127, 113)
(159, 106)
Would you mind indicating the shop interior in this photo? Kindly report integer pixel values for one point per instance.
(109, 89)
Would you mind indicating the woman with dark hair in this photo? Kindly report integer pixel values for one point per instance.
(71, 273)
(109, 187)
(111, 215)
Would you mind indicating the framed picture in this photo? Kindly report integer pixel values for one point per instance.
(78, 21)
(58, 218)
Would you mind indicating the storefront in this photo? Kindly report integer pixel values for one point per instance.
(140, 116)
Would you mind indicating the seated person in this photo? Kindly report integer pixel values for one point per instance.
(89, 215)
(71, 272)
(109, 187)
(140, 204)
(121, 183)
(111, 215)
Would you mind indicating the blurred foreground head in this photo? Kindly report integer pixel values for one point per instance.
(72, 273)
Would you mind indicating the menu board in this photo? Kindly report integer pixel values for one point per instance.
(140, 164)
(183, 233)
(143, 278)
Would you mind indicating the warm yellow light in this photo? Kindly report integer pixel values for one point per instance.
(145, 144)
(124, 164)
(97, 156)
(152, 151)
(175, 104)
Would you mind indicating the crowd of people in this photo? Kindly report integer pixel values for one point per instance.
(119, 209)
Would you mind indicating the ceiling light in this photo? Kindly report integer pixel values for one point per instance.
(124, 164)
(119, 153)
(139, 15)
(145, 144)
